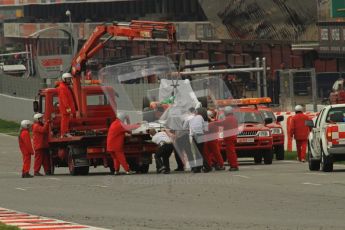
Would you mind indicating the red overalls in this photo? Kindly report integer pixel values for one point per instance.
(66, 106)
(40, 143)
(300, 132)
(26, 149)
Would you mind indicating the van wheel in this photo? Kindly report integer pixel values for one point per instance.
(326, 162)
(314, 165)
(280, 152)
(268, 157)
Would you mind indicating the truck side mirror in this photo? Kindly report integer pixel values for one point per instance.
(35, 106)
(268, 120)
(280, 118)
(309, 123)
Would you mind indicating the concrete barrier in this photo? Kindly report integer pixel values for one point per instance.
(15, 108)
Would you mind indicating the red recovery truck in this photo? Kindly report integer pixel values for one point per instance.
(255, 137)
(276, 131)
(94, 104)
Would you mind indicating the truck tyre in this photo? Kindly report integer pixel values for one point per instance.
(82, 170)
(326, 162)
(258, 158)
(268, 157)
(314, 165)
(279, 152)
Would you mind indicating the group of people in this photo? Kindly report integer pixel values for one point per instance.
(40, 128)
(195, 142)
(37, 146)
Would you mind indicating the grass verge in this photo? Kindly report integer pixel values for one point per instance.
(9, 127)
(290, 155)
(6, 227)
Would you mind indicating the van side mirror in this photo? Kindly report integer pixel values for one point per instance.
(268, 120)
(35, 106)
(280, 118)
(309, 123)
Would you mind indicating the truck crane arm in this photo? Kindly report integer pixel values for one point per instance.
(135, 29)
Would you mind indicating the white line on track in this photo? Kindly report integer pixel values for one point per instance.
(318, 174)
(52, 178)
(246, 177)
(99, 186)
(22, 189)
(313, 184)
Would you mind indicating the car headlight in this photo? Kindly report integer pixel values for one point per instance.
(276, 131)
(264, 133)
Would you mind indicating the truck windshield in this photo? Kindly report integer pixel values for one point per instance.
(97, 99)
(267, 114)
(249, 117)
(336, 115)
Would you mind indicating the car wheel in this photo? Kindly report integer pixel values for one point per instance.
(258, 158)
(314, 165)
(279, 152)
(268, 157)
(326, 162)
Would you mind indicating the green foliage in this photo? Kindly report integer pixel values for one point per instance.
(6, 227)
(290, 155)
(9, 127)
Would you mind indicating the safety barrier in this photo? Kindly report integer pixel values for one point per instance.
(290, 144)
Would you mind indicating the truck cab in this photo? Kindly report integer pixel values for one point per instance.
(86, 145)
(326, 141)
(255, 137)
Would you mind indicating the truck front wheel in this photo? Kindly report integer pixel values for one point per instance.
(268, 157)
(279, 151)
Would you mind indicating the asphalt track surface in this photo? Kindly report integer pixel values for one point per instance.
(284, 195)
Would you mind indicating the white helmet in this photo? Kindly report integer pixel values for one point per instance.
(24, 124)
(38, 116)
(66, 76)
(228, 110)
(298, 108)
(121, 116)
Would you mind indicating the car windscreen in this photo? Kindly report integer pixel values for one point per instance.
(336, 115)
(267, 114)
(249, 117)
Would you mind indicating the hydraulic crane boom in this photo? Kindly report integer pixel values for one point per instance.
(135, 29)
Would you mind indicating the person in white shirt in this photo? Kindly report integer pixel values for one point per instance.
(164, 151)
(197, 126)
